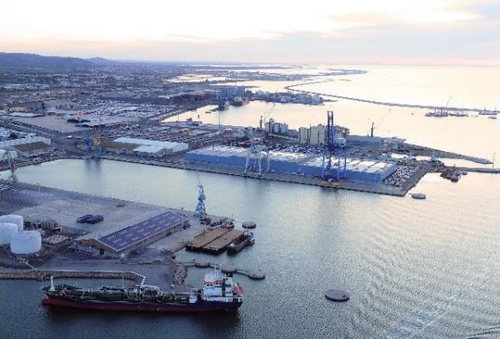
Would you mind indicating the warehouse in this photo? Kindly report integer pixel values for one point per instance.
(355, 168)
(29, 146)
(153, 147)
(292, 163)
(134, 236)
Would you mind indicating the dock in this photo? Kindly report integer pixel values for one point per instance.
(222, 242)
(203, 239)
(35, 274)
(256, 274)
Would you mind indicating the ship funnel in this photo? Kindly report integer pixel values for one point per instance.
(52, 288)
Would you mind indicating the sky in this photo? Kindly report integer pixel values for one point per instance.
(404, 32)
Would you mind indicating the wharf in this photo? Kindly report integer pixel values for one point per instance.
(206, 237)
(227, 268)
(295, 179)
(476, 169)
(222, 242)
(30, 274)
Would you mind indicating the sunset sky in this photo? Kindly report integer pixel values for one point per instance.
(424, 32)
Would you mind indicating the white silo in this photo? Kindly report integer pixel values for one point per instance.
(6, 230)
(13, 219)
(26, 242)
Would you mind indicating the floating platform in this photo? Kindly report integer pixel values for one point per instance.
(221, 243)
(205, 238)
(337, 295)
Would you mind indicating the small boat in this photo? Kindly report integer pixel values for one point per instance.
(420, 196)
(241, 242)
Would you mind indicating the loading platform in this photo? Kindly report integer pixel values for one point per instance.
(221, 243)
(205, 238)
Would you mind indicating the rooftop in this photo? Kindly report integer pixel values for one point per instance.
(131, 235)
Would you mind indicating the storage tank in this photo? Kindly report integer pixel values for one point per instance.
(303, 135)
(6, 230)
(13, 219)
(25, 242)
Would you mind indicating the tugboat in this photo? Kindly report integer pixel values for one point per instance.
(219, 293)
(246, 239)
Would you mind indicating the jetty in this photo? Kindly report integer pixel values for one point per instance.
(35, 274)
(227, 268)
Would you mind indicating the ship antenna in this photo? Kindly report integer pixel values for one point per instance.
(52, 288)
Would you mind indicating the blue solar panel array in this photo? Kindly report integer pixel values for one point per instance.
(133, 234)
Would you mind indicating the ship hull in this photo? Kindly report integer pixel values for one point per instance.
(200, 306)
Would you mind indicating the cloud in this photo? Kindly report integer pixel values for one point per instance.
(359, 31)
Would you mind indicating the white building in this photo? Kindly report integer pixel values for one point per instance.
(316, 136)
(274, 127)
(153, 147)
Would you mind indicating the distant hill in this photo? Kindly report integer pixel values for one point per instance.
(101, 61)
(10, 61)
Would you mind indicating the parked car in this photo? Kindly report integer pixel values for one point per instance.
(84, 218)
(90, 218)
(95, 219)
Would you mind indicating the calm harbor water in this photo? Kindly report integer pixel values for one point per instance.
(425, 269)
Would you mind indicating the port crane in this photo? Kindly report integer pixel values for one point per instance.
(12, 166)
(330, 149)
(375, 126)
(92, 140)
(200, 207)
(256, 152)
(263, 118)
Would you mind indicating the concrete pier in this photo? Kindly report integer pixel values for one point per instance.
(227, 268)
(295, 179)
(74, 274)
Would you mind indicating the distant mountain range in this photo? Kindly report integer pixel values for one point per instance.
(20, 61)
(12, 61)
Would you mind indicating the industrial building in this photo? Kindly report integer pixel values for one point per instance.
(129, 238)
(316, 135)
(292, 163)
(6, 144)
(150, 147)
(274, 127)
(31, 145)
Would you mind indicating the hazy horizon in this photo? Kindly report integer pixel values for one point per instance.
(443, 32)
